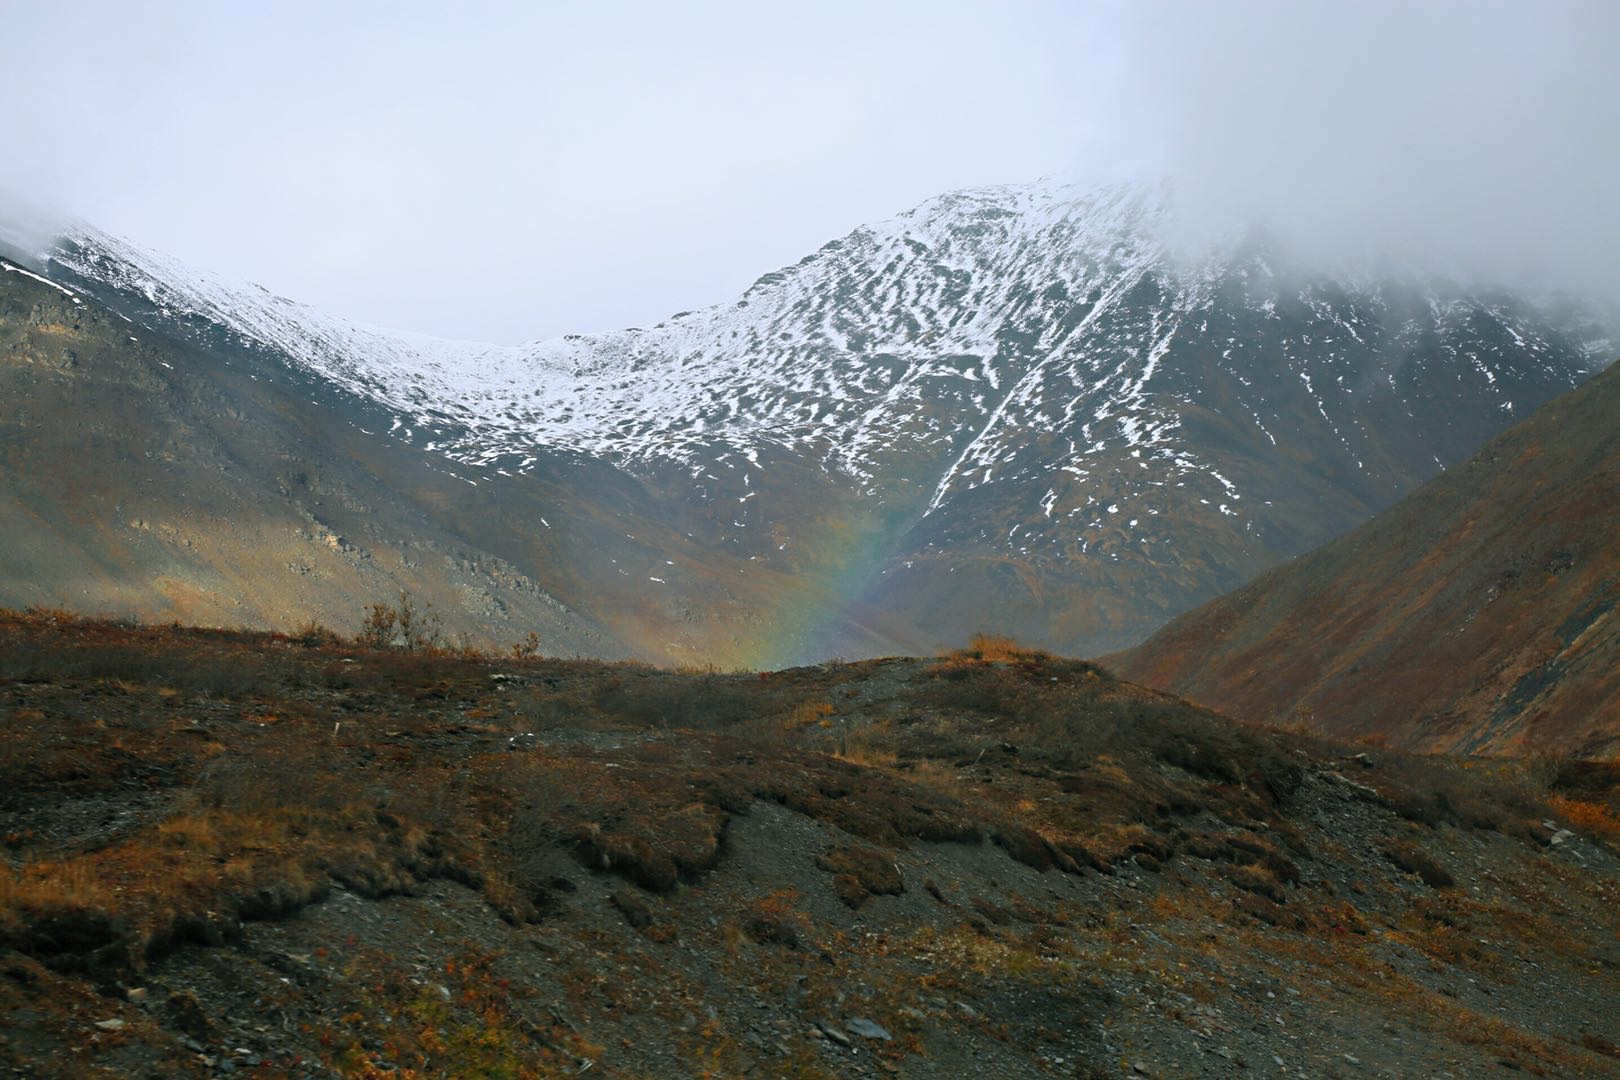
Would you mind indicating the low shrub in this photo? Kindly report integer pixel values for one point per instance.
(1412, 859)
(996, 648)
(860, 873)
(401, 624)
(312, 635)
(1258, 880)
(633, 906)
(775, 919)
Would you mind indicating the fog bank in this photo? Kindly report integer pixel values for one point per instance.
(508, 171)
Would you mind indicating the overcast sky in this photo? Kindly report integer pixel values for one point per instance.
(513, 171)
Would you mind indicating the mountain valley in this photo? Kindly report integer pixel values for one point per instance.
(316, 841)
(606, 541)
(1011, 409)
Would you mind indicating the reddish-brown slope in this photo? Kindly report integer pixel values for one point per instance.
(1480, 614)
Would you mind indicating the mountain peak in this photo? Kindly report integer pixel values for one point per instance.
(1023, 378)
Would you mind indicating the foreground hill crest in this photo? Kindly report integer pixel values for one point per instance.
(303, 857)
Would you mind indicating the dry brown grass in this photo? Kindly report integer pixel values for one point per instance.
(30, 890)
(1593, 819)
(860, 873)
(636, 772)
(995, 648)
(1412, 859)
(777, 919)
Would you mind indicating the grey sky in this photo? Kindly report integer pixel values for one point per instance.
(510, 171)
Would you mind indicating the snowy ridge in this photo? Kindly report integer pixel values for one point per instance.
(11, 268)
(1036, 335)
(788, 364)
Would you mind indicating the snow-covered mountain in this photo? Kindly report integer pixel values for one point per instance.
(1006, 407)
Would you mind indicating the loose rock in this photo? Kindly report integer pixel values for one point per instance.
(866, 1029)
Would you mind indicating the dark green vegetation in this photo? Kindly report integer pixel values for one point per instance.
(297, 856)
(1477, 615)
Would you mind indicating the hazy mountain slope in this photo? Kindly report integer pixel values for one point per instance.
(1479, 614)
(148, 476)
(1271, 417)
(1008, 408)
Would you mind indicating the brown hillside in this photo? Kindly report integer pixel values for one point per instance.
(278, 857)
(1477, 615)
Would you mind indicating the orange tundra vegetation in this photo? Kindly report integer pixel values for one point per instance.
(901, 842)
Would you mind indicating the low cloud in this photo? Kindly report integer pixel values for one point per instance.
(506, 171)
(1474, 139)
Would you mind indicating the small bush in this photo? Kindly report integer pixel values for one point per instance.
(997, 648)
(1258, 880)
(1594, 819)
(633, 906)
(774, 919)
(402, 624)
(861, 873)
(312, 635)
(378, 628)
(1414, 860)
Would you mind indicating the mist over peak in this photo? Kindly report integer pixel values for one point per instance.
(1471, 140)
(656, 164)
(27, 233)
